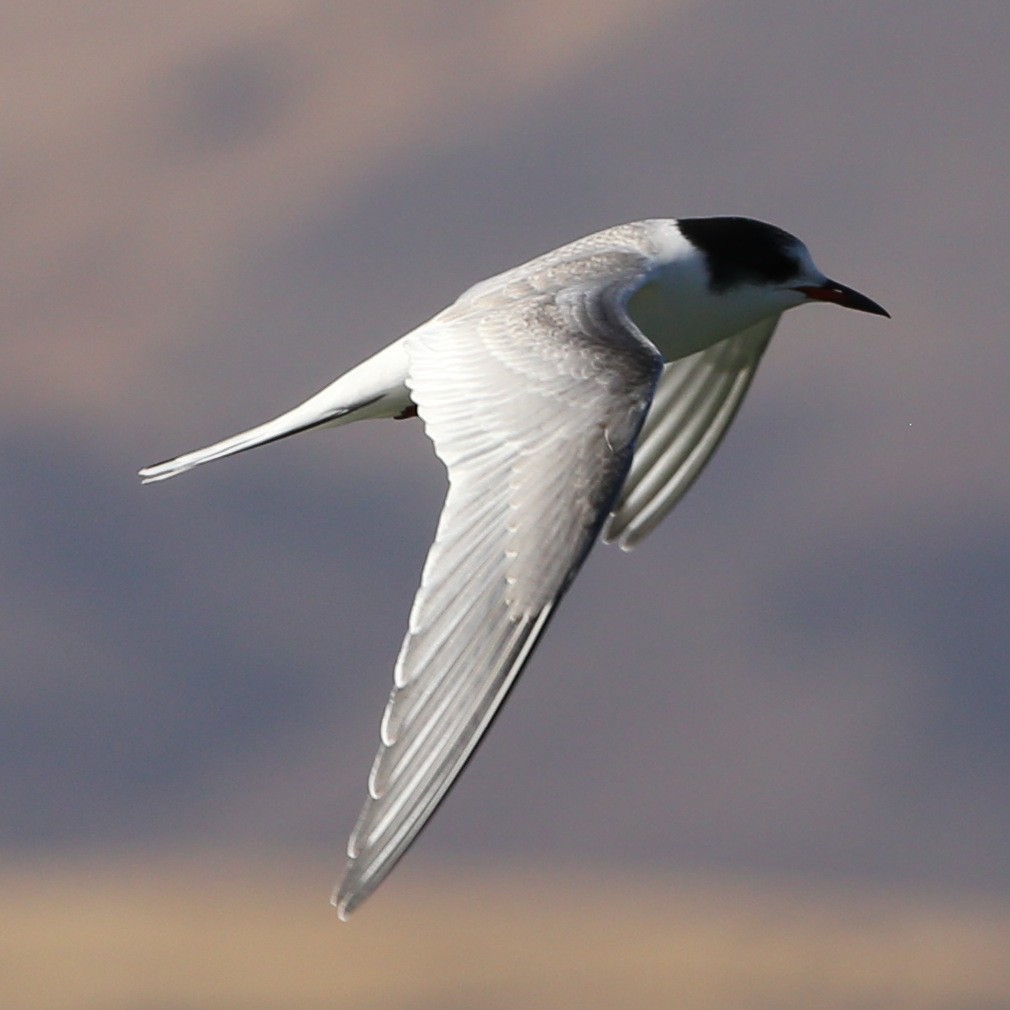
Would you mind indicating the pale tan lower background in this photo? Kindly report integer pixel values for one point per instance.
(210, 933)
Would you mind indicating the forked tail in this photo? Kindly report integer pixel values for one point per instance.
(271, 431)
(376, 388)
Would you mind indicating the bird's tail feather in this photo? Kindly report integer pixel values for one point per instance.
(271, 431)
(376, 388)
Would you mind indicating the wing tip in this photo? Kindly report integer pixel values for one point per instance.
(354, 889)
(622, 534)
(343, 902)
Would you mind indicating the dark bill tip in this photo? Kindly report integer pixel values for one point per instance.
(832, 291)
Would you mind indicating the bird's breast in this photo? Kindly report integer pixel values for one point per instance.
(681, 316)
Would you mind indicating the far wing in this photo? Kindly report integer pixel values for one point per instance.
(533, 399)
(695, 401)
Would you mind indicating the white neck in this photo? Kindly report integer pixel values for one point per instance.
(677, 310)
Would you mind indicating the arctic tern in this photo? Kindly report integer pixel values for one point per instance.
(576, 396)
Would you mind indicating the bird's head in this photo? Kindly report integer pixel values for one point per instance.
(748, 258)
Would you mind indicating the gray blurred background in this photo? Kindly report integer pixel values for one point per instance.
(210, 210)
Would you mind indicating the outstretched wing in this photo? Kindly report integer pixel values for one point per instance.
(695, 401)
(533, 391)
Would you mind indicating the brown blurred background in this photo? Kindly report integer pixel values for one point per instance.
(763, 761)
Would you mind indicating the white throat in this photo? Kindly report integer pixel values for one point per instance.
(678, 311)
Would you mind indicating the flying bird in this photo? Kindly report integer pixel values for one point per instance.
(573, 398)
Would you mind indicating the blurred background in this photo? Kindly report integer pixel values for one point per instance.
(762, 761)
